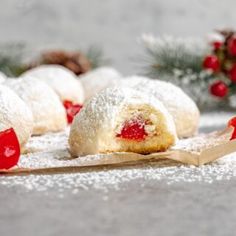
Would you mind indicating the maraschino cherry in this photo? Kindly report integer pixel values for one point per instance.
(232, 122)
(9, 149)
(71, 110)
(133, 130)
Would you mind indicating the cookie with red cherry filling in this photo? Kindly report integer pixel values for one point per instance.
(122, 120)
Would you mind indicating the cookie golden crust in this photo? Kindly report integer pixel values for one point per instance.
(182, 108)
(121, 120)
(14, 113)
(48, 112)
(61, 80)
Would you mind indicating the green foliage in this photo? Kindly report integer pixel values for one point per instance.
(166, 55)
(11, 59)
(96, 57)
(165, 61)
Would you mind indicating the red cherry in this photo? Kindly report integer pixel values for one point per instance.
(232, 122)
(232, 73)
(9, 149)
(232, 46)
(219, 89)
(217, 45)
(71, 110)
(133, 130)
(211, 62)
(67, 104)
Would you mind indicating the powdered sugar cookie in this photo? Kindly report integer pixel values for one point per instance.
(47, 109)
(14, 113)
(61, 80)
(183, 109)
(121, 120)
(96, 80)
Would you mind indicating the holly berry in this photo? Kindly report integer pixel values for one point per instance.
(71, 110)
(232, 122)
(9, 149)
(217, 44)
(232, 46)
(232, 73)
(219, 89)
(211, 62)
(133, 130)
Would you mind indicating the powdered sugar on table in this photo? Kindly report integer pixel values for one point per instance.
(116, 178)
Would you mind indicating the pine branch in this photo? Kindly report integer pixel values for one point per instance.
(96, 57)
(11, 59)
(166, 55)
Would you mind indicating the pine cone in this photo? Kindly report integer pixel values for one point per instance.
(54, 57)
(74, 61)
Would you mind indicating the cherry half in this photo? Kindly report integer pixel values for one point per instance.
(232, 123)
(133, 130)
(71, 110)
(9, 149)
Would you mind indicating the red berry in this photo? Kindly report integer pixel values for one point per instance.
(217, 45)
(9, 149)
(219, 89)
(71, 110)
(232, 46)
(211, 62)
(232, 122)
(67, 104)
(133, 130)
(232, 73)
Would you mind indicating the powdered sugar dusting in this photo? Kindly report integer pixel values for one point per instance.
(48, 142)
(116, 179)
(180, 105)
(119, 178)
(203, 141)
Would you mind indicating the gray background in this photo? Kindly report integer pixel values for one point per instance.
(114, 25)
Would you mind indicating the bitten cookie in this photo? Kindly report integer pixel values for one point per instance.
(61, 80)
(183, 109)
(96, 80)
(14, 113)
(121, 120)
(48, 112)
